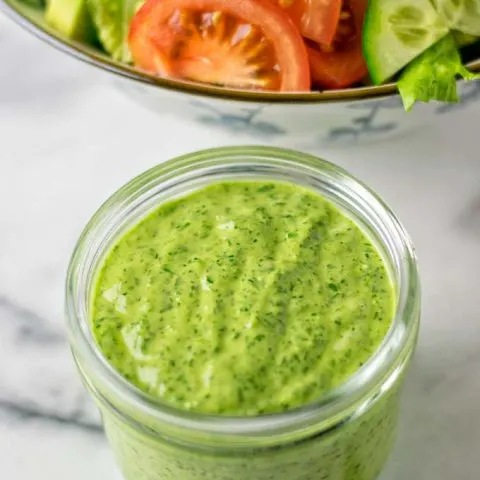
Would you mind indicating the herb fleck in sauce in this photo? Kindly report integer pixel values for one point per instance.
(242, 298)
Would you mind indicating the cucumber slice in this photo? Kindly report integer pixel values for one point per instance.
(71, 18)
(396, 32)
(462, 15)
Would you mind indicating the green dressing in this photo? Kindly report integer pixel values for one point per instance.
(242, 298)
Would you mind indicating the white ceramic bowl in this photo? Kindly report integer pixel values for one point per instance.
(302, 120)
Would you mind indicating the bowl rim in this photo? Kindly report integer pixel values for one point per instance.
(96, 58)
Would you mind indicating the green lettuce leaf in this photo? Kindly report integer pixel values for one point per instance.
(433, 75)
(112, 22)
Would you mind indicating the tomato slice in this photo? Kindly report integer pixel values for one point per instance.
(247, 44)
(342, 64)
(316, 19)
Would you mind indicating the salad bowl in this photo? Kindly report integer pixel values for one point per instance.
(300, 120)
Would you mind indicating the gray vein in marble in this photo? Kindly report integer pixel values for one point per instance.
(39, 379)
(23, 412)
(30, 326)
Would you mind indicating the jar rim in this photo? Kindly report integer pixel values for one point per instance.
(337, 404)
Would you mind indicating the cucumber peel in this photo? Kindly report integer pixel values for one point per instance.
(398, 31)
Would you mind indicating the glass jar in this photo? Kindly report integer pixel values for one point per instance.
(346, 435)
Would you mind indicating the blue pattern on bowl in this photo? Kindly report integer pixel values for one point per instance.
(470, 94)
(245, 121)
(366, 123)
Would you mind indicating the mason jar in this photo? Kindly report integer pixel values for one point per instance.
(345, 435)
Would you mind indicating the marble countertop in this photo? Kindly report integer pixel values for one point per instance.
(68, 139)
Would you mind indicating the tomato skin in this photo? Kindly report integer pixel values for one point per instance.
(151, 40)
(345, 65)
(316, 19)
(338, 69)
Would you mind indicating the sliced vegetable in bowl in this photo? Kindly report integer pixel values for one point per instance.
(72, 19)
(432, 76)
(398, 31)
(341, 63)
(239, 43)
(317, 20)
(112, 19)
(282, 46)
(462, 15)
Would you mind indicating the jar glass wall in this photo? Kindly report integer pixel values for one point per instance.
(345, 435)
